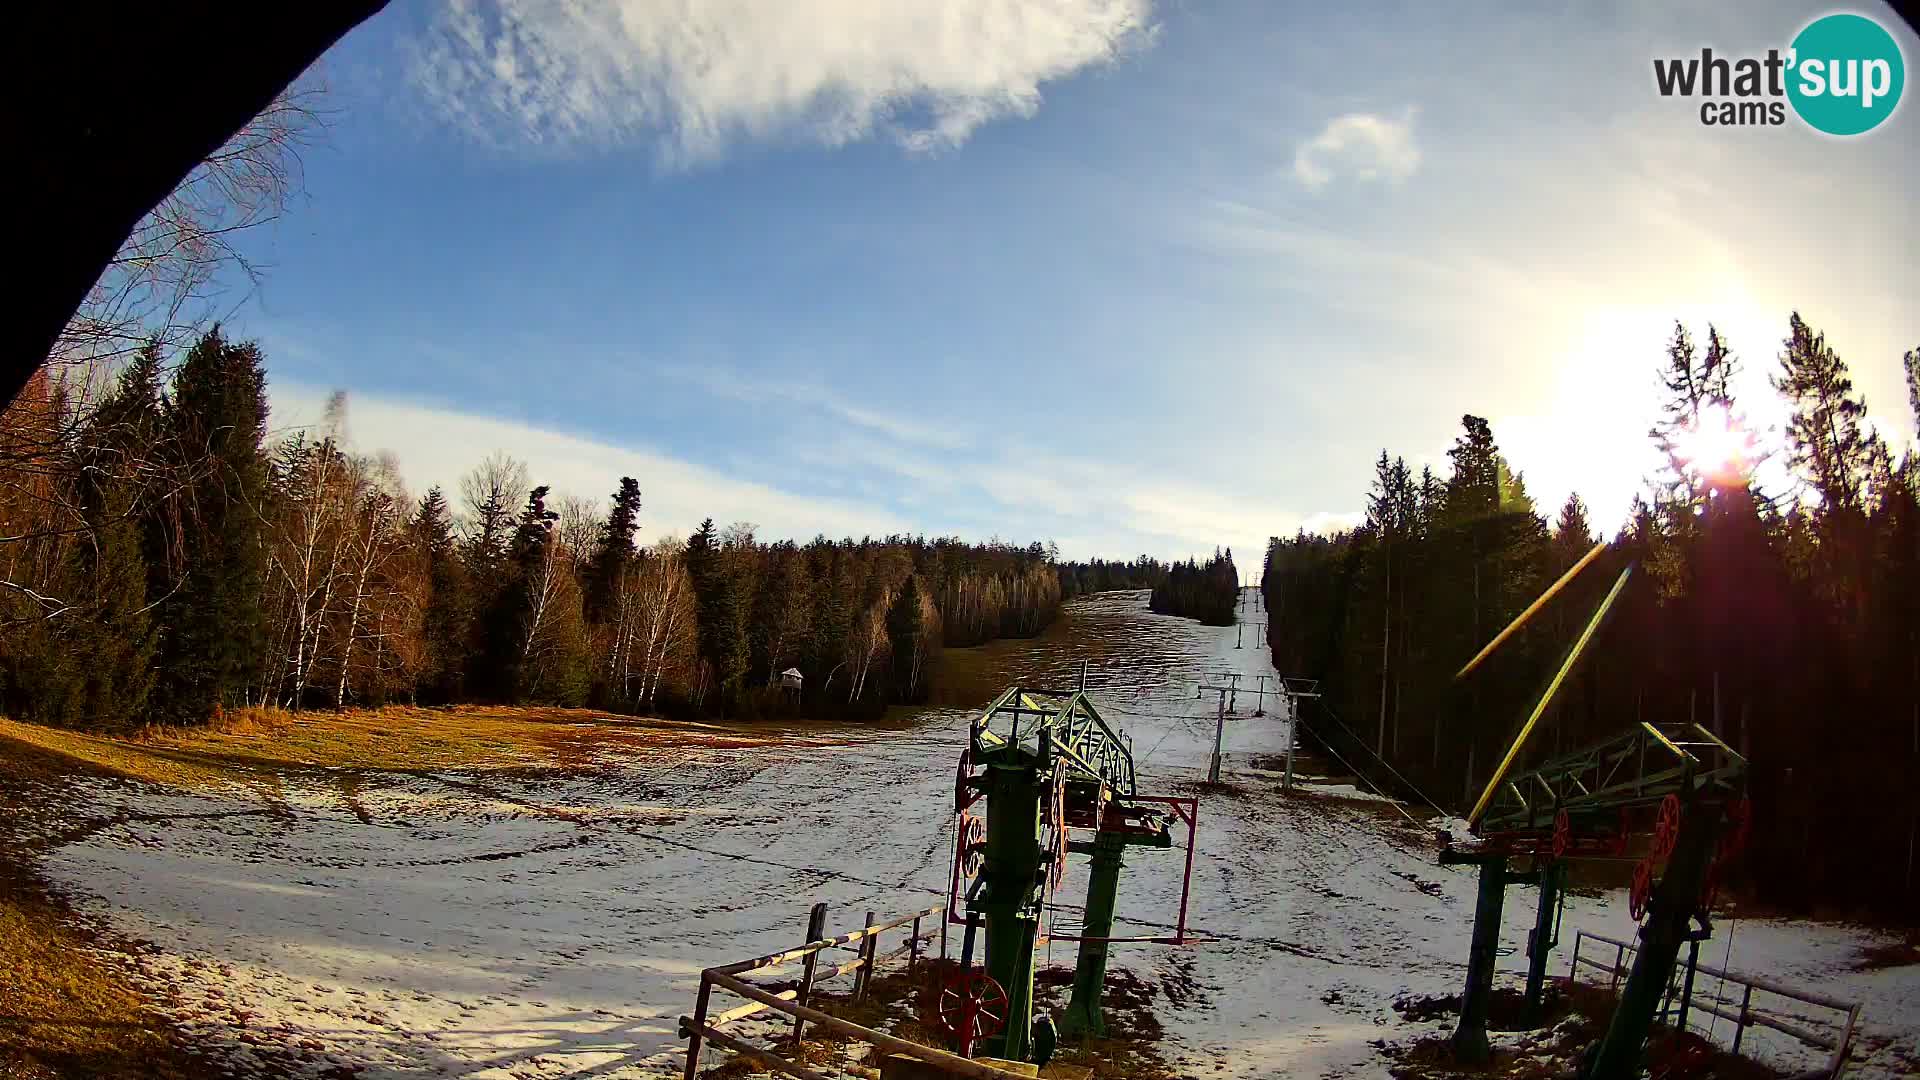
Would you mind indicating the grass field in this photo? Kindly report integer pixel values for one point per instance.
(71, 1010)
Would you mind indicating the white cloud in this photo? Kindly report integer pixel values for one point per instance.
(726, 383)
(694, 77)
(1092, 508)
(437, 446)
(1358, 146)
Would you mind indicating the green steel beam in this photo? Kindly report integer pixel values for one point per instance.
(1675, 900)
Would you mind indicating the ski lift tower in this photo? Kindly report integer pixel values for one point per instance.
(1047, 765)
(1675, 787)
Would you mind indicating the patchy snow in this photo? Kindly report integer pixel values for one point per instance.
(490, 926)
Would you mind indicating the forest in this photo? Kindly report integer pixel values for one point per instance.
(1100, 575)
(1787, 621)
(165, 560)
(1207, 593)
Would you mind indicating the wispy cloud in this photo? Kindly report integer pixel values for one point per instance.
(1359, 146)
(730, 384)
(435, 445)
(693, 78)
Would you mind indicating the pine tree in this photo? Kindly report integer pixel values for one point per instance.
(448, 611)
(613, 552)
(1572, 533)
(1825, 440)
(213, 639)
(1912, 363)
(910, 637)
(720, 615)
(118, 635)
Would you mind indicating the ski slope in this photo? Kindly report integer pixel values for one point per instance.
(530, 925)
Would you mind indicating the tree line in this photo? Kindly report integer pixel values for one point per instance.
(163, 559)
(1787, 622)
(1208, 593)
(1102, 575)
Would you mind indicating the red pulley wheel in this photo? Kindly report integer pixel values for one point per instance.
(963, 774)
(972, 845)
(1642, 889)
(971, 1006)
(1666, 827)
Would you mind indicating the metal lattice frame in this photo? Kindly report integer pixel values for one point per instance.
(1638, 768)
(1031, 721)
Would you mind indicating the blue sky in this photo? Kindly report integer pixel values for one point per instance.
(1131, 276)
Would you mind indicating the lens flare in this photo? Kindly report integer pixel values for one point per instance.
(1716, 446)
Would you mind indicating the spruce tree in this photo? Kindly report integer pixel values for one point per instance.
(507, 627)
(907, 636)
(1825, 440)
(117, 631)
(613, 552)
(213, 640)
(1912, 363)
(448, 609)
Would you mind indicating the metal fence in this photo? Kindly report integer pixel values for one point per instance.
(1686, 995)
(706, 1026)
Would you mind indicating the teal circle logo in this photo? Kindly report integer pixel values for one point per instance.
(1845, 74)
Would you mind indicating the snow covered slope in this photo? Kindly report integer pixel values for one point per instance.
(493, 926)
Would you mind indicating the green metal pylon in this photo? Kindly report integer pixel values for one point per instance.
(1083, 1016)
(1470, 1045)
(1008, 896)
(1544, 937)
(1674, 901)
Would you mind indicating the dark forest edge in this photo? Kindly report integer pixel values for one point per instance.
(1788, 622)
(1207, 593)
(168, 561)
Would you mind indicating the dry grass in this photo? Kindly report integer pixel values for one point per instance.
(68, 1008)
(248, 743)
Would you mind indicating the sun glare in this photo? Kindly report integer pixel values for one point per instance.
(1716, 446)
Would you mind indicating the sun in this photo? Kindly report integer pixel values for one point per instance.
(1716, 445)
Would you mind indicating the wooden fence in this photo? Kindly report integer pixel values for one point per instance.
(705, 1026)
(1683, 997)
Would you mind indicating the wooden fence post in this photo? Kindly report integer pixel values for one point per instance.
(913, 947)
(870, 955)
(816, 929)
(1746, 1006)
(699, 1024)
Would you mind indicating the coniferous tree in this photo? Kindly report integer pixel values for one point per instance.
(447, 613)
(1912, 364)
(912, 628)
(213, 628)
(613, 552)
(117, 631)
(1824, 438)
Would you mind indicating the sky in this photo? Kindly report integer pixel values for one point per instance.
(1130, 276)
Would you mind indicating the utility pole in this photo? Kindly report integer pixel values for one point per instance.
(1291, 699)
(1293, 719)
(1219, 731)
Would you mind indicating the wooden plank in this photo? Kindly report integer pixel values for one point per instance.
(741, 1012)
(746, 1049)
(953, 1063)
(800, 952)
(816, 923)
(1805, 1036)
